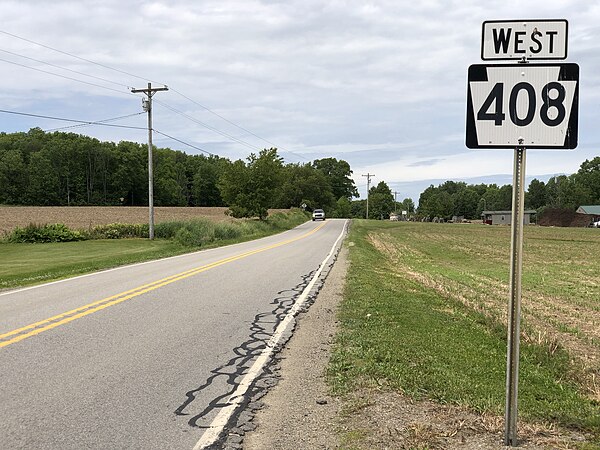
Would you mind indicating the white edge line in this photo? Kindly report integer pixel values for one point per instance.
(216, 427)
(63, 280)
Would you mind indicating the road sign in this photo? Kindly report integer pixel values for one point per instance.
(527, 105)
(532, 39)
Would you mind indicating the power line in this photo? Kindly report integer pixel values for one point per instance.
(184, 143)
(75, 56)
(97, 122)
(101, 122)
(216, 130)
(236, 125)
(86, 122)
(64, 68)
(141, 78)
(64, 76)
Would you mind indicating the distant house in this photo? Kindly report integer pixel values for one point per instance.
(504, 217)
(593, 211)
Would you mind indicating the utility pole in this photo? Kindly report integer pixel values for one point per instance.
(147, 105)
(368, 175)
(395, 201)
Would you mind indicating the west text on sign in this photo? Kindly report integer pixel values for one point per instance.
(532, 105)
(532, 39)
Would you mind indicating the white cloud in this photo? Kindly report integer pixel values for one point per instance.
(381, 84)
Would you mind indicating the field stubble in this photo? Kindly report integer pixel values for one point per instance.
(469, 263)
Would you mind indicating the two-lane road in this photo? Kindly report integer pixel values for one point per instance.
(148, 356)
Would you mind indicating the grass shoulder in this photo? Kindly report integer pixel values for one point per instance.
(411, 320)
(23, 264)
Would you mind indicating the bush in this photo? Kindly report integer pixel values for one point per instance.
(201, 232)
(192, 233)
(287, 220)
(119, 231)
(55, 232)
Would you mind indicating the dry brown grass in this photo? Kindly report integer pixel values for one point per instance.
(399, 422)
(555, 316)
(85, 217)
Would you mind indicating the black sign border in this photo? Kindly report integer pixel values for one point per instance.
(568, 72)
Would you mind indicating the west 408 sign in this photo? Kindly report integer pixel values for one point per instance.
(529, 105)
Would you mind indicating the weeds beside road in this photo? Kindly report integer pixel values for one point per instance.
(425, 313)
(32, 263)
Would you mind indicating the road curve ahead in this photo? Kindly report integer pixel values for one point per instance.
(158, 355)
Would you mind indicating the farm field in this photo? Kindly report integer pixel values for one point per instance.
(84, 217)
(32, 263)
(424, 318)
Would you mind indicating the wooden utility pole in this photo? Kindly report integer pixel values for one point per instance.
(368, 175)
(147, 104)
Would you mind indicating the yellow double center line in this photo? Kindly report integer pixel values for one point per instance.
(36, 328)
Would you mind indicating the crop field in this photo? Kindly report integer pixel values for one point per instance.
(470, 263)
(85, 217)
(425, 315)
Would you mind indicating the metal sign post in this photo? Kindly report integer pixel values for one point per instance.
(514, 305)
(516, 106)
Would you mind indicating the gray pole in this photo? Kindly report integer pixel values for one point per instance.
(148, 108)
(514, 306)
(150, 168)
(368, 175)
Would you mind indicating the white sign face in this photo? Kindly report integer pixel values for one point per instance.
(532, 39)
(522, 105)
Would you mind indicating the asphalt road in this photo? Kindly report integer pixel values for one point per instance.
(145, 356)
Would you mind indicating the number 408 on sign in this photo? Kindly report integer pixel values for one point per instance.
(527, 105)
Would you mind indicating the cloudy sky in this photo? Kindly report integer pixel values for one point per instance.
(380, 84)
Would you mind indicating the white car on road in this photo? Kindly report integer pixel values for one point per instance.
(318, 214)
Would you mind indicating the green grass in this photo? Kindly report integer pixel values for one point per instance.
(26, 264)
(410, 319)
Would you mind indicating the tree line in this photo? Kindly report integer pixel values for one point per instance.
(58, 169)
(563, 191)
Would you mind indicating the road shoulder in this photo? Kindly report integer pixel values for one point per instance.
(299, 411)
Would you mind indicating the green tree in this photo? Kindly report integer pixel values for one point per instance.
(381, 201)
(44, 181)
(358, 209)
(407, 205)
(505, 198)
(571, 193)
(205, 191)
(13, 177)
(169, 179)
(535, 197)
(490, 201)
(128, 182)
(446, 207)
(588, 177)
(339, 174)
(428, 204)
(466, 203)
(251, 189)
(343, 208)
(302, 183)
